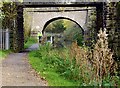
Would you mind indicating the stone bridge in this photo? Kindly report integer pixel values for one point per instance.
(40, 20)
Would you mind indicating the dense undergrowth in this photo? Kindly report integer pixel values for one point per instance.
(76, 66)
(50, 66)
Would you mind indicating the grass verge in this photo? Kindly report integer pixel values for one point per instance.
(48, 72)
(4, 53)
(59, 69)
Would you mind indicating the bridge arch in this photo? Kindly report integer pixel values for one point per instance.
(19, 18)
(57, 18)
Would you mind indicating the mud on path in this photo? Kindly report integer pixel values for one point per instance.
(16, 71)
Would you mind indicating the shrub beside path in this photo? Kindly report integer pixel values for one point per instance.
(16, 71)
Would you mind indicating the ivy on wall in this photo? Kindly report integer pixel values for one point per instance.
(9, 10)
(91, 27)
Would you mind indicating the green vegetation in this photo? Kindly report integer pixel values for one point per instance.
(76, 66)
(4, 53)
(46, 62)
(74, 34)
(69, 31)
(56, 27)
(30, 41)
(27, 24)
(91, 32)
(9, 18)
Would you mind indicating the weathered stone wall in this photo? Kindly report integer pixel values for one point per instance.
(112, 25)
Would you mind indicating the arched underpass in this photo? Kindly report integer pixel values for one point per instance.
(53, 30)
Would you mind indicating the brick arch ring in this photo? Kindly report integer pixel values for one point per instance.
(57, 18)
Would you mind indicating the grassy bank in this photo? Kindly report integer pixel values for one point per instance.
(57, 67)
(46, 63)
(75, 65)
(48, 73)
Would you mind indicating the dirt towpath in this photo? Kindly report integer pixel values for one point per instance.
(16, 71)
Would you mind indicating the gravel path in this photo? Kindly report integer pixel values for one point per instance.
(16, 71)
(33, 47)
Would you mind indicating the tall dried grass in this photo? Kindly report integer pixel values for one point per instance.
(94, 64)
(81, 57)
(102, 60)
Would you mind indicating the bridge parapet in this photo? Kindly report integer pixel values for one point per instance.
(59, 9)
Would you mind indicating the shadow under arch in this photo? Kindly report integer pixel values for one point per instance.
(57, 18)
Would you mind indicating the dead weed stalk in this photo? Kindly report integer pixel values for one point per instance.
(94, 64)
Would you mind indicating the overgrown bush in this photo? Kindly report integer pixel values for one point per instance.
(96, 64)
(27, 25)
(79, 64)
(102, 58)
(91, 32)
(73, 34)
